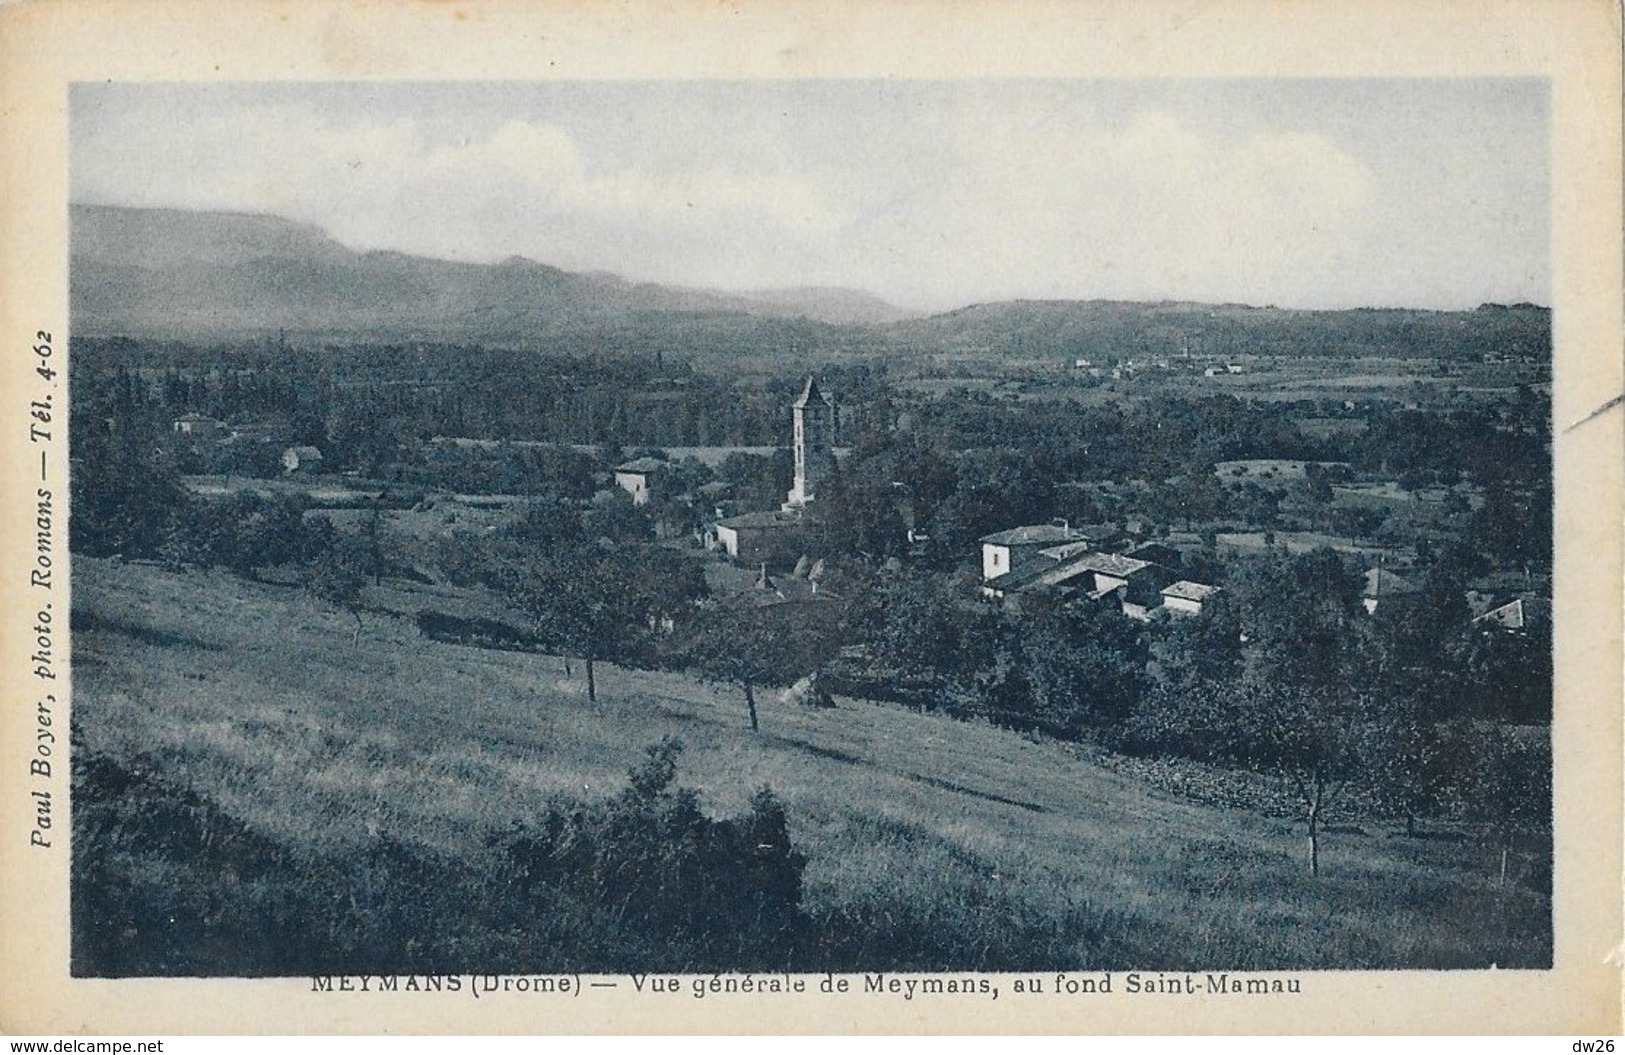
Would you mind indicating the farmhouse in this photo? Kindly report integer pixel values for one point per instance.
(301, 459)
(1137, 584)
(1006, 551)
(757, 537)
(1076, 568)
(1185, 597)
(1112, 571)
(1050, 568)
(640, 478)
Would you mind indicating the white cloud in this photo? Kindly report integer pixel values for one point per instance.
(1150, 209)
(524, 188)
(936, 198)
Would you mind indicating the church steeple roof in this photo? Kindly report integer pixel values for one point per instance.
(810, 394)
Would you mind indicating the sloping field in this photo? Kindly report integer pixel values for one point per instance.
(995, 850)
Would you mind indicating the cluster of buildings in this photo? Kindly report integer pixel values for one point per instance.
(769, 535)
(755, 537)
(1103, 564)
(1128, 368)
(1516, 613)
(1095, 564)
(201, 433)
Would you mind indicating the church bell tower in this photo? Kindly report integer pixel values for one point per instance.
(814, 443)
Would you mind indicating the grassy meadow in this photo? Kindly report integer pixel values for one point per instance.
(349, 800)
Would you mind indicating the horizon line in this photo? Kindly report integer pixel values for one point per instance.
(922, 313)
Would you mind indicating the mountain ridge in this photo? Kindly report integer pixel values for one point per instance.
(208, 275)
(154, 271)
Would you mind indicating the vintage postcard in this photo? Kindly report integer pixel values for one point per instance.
(554, 518)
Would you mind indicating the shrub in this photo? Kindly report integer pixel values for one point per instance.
(712, 892)
(165, 882)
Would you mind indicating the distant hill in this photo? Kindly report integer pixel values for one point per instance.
(164, 272)
(829, 304)
(1101, 329)
(178, 274)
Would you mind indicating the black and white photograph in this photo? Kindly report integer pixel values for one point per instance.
(972, 538)
(811, 526)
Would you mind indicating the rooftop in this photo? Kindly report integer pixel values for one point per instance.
(1518, 613)
(771, 519)
(1034, 534)
(1065, 550)
(1189, 591)
(1018, 579)
(810, 394)
(1155, 552)
(1115, 564)
(641, 465)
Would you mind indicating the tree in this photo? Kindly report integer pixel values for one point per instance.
(1314, 740)
(613, 516)
(1192, 499)
(932, 636)
(598, 600)
(654, 867)
(1195, 664)
(1508, 786)
(1318, 486)
(859, 515)
(338, 575)
(1085, 668)
(127, 497)
(1515, 524)
(661, 589)
(249, 531)
(1303, 707)
(1419, 767)
(1508, 674)
(753, 645)
(549, 522)
(579, 599)
(1356, 522)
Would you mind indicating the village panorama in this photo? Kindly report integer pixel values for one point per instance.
(435, 617)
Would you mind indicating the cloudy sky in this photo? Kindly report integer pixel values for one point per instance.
(1326, 193)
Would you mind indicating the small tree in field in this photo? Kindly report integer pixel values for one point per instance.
(1302, 709)
(756, 646)
(598, 600)
(1356, 522)
(338, 575)
(1507, 785)
(1316, 742)
(579, 601)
